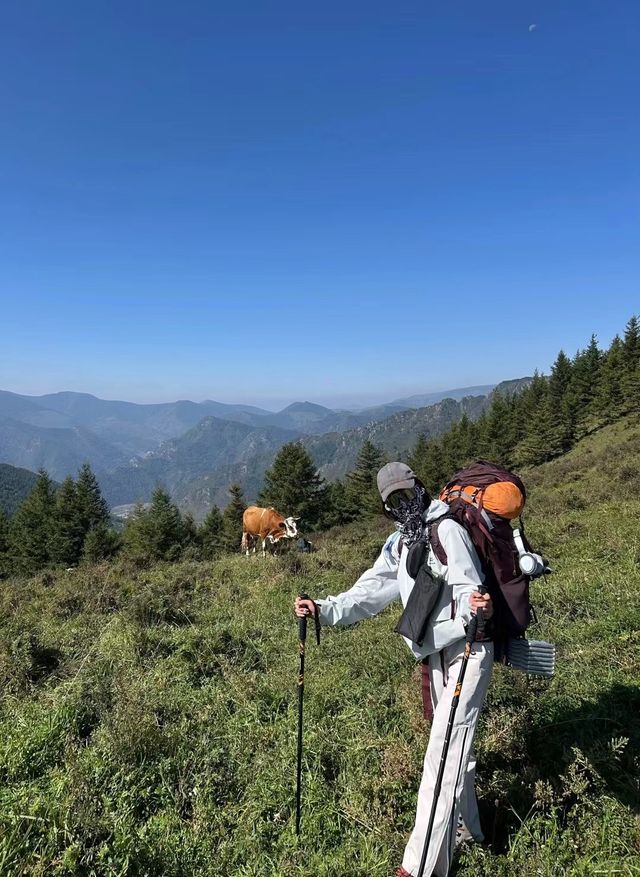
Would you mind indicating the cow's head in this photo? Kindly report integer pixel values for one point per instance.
(290, 526)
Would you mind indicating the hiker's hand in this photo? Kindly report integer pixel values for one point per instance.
(304, 607)
(481, 601)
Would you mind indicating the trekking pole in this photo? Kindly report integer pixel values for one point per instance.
(476, 625)
(302, 637)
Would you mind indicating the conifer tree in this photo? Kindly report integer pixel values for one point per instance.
(521, 411)
(631, 344)
(156, 533)
(339, 508)
(101, 543)
(67, 532)
(543, 439)
(483, 436)
(609, 401)
(466, 441)
(232, 520)
(450, 444)
(190, 536)
(559, 382)
(32, 525)
(427, 461)
(136, 534)
(631, 365)
(211, 534)
(361, 486)
(418, 457)
(582, 388)
(293, 486)
(91, 505)
(498, 440)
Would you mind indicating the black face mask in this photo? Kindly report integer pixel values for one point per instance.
(407, 510)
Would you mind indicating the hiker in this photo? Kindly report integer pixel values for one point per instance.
(408, 503)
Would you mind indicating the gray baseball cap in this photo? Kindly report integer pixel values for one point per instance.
(395, 476)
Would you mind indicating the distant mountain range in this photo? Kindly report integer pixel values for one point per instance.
(422, 400)
(59, 431)
(197, 449)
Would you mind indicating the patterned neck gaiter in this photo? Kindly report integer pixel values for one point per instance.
(408, 516)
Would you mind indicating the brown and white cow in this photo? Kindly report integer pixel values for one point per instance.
(266, 524)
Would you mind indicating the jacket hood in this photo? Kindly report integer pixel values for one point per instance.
(436, 509)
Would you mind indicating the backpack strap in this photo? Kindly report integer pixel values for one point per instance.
(458, 514)
(436, 545)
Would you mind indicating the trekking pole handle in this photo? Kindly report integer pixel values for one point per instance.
(477, 624)
(302, 622)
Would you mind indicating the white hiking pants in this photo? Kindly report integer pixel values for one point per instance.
(457, 795)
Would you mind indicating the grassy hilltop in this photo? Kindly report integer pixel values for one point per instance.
(148, 717)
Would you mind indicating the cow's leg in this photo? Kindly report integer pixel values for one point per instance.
(248, 543)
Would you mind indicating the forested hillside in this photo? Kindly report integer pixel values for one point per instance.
(15, 485)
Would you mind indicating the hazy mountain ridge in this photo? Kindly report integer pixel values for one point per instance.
(61, 451)
(335, 453)
(129, 428)
(423, 400)
(122, 430)
(212, 444)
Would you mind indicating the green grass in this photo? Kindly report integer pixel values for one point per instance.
(148, 717)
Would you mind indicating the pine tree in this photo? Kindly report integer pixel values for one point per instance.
(451, 453)
(136, 535)
(609, 402)
(191, 537)
(582, 388)
(483, 437)
(428, 462)
(211, 534)
(32, 526)
(338, 507)
(418, 457)
(498, 440)
(631, 344)
(543, 439)
(466, 441)
(631, 365)
(91, 505)
(232, 520)
(168, 532)
(156, 533)
(559, 382)
(361, 486)
(101, 543)
(67, 532)
(293, 485)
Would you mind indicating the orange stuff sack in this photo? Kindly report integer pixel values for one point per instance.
(503, 498)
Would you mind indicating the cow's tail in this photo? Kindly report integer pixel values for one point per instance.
(244, 545)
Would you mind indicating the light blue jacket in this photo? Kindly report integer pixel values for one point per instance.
(388, 580)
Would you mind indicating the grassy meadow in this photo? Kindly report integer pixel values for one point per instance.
(148, 716)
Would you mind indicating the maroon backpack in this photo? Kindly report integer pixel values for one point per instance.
(483, 499)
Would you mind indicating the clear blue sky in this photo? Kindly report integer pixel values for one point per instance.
(276, 201)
